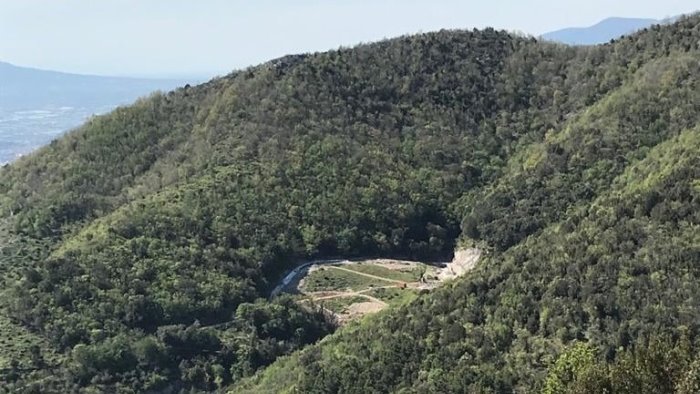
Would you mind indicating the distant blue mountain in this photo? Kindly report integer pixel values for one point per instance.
(29, 88)
(601, 32)
(36, 106)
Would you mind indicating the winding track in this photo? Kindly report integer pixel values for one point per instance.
(296, 271)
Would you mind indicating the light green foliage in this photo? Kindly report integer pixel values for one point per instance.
(576, 361)
(653, 365)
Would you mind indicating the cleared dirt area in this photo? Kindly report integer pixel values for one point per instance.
(362, 308)
(352, 289)
(463, 262)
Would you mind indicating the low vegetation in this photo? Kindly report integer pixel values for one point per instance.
(394, 295)
(331, 278)
(408, 274)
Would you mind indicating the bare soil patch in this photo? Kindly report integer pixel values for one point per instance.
(360, 309)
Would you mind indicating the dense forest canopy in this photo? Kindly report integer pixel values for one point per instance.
(138, 251)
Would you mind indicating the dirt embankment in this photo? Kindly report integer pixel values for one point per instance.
(464, 261)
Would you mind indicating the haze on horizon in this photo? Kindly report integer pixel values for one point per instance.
(175, 38)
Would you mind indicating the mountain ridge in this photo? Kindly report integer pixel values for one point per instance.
(11, 67)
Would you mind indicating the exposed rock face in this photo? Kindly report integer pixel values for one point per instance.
(463, 261)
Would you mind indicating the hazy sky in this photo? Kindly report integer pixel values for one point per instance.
(204, 37)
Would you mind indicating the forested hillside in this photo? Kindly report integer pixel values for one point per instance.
(139, 249)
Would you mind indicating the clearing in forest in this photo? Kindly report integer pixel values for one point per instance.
(352, 289)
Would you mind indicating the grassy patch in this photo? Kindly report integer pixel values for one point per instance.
(329, 279)
(410, 274)
(394, 296)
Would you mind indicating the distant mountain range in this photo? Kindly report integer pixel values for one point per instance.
(36, 106)
(29, 88)
(602, 31)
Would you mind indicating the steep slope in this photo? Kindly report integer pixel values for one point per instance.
(586, 153)
(160, 226)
